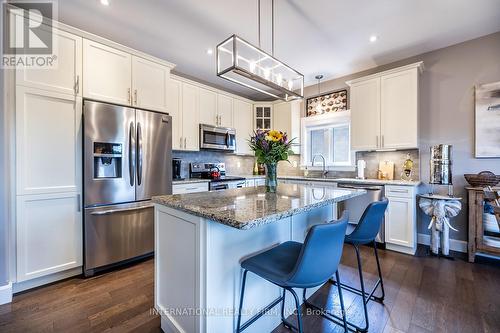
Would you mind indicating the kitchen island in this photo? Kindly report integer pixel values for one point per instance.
(201, 238)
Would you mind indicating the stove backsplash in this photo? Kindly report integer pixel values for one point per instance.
(243, 165)
(235, 164)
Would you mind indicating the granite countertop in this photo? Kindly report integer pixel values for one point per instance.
(249, 207)
(190, 181)
(344, 180)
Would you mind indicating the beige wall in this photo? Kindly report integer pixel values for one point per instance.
(447, 107)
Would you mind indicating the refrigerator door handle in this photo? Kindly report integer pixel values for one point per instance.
(139, 154)
(131, 153)
(113, 211)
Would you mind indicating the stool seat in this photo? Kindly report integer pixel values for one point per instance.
(276, 264)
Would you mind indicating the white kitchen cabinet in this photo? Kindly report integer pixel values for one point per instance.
(190, 117)
(384, 109)
(48, 141)
(260, 181)
(365, 115)
(174, 99)
(66, 74)
(189, 188)
(399, 109)
(286, 118)
(243, 123)
(224, 110)
(49, 234)
(107, 73)
(401, 219)
(263, 115)
(249, 183)
(149, 84)
(208, 107)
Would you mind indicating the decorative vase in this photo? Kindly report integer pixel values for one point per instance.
(271, 177)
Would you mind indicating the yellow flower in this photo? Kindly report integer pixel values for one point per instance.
(274, 135)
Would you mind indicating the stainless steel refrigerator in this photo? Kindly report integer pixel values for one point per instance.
(127, 160)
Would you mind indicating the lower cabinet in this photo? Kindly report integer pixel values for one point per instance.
(49, 234)
(189, 188)
(401, 219)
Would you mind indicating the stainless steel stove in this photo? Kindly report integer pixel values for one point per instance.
(222, 182)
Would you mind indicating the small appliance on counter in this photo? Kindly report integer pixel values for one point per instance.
(440, 167)
(216, 172)
(407, 173)
(176, 169)
(361, 165)
(385, 170)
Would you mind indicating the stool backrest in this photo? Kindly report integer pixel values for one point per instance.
(369, 224)
(320, 254)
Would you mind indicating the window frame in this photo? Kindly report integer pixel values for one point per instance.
(325, 121)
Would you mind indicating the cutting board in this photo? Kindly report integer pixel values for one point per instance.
(386, 169)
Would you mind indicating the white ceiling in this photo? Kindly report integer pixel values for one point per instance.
(328, 37)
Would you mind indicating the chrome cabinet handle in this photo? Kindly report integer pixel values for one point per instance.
(139, 154)
(78, 203)
(184, 143)
(180, 142)
(131, 153)
(135, 96)
(77, 85)
(112, 211)
(128, 95)
(399, 191)
(377, 141)
(383, 141)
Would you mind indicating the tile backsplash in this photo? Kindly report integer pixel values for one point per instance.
(243, 165)
(235, 164)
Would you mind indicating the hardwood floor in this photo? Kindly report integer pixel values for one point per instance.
(423, 294)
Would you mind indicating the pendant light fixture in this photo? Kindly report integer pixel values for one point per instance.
(243, 63)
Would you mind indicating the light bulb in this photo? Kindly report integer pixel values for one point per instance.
(290, 85)
(267, 72)
(252, 66)
(105, 2)
(279, 79)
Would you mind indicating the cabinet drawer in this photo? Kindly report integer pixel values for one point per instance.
(189, 188)
(398, 191)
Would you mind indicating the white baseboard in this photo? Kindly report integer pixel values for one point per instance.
(455, 245)
(40, 281)
(6, 293)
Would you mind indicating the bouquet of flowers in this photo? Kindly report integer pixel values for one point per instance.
(270, 147)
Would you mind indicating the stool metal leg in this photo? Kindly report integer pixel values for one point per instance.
(363, 293)
(341, 299)
(379, 271)
(238, 325)
(297, 305)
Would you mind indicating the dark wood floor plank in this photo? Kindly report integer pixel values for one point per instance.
(423, 295)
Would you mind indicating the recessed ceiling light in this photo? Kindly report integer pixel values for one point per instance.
(373, 38)
(210, 51)
(105, 2)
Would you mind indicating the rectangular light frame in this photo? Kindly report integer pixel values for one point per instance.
(233, 71)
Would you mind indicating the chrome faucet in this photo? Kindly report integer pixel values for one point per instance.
(324, 163)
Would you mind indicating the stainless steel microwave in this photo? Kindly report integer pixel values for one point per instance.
(218, 138)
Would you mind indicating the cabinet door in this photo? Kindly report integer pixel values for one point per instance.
(399, 222)
(66, 75)
(399, 107)
(49, 234)
(149, 84)
(190, 117)
(48, 141)
(107, 73)
(365, 115)
(174, 100)
(208, 107)
(243, 123)
(286, 118)
(225, 110)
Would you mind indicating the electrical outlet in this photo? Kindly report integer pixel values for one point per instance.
(238, 165)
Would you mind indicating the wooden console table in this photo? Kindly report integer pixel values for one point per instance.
(476, 231)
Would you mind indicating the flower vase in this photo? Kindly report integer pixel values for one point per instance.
(271, 178)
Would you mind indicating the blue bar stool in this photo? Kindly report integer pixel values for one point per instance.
(365, 233)
(296, 265)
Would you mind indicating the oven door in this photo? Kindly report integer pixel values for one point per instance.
(220, 138)
(218, 186)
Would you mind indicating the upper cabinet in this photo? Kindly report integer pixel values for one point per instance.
(114, 76)
(149, 84)
(174, 99)
(107, 73)
(208, 107)
(384, 109)
(190, 117)
(286, 118)
(225, 110)
(243, 123)
(66, 75)
(263, 116)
